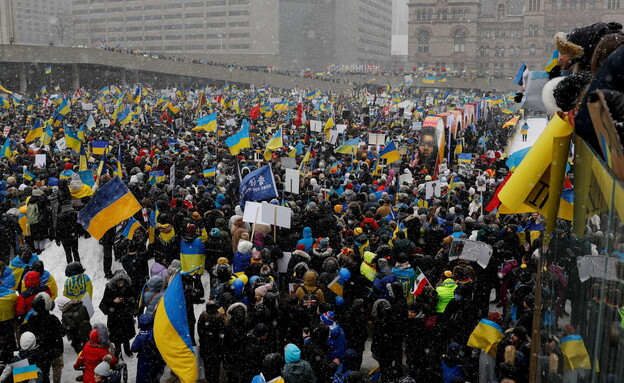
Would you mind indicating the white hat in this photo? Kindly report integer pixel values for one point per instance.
(28, 341)
(102, 369)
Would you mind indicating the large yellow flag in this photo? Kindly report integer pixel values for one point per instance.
(328, 125)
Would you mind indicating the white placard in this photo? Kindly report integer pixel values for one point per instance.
(275, 100)
(253, 212)
(105, 122)
(475, 251)
(282, 263)
(172, 179)
(230, 122)
(333, 136)
(481, 184)
(291, 184)
(87, 106)
(376, 139)
(289, 162)
(316, 126)
(433, 188)
(416, 125)
(442, 168)
(405, 178)
(274, 214)
(40, 160)
(88, 304)
(341, 128)
(6, 131)
(61, 143)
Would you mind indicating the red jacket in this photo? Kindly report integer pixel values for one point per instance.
(92, 354)
(24, 300)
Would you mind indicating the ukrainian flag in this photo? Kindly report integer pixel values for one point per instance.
(86, 176)
(575, 356)
(207, 123)
(173, 109)
(5, 90)
(429, 80)
(47, 133)
(28, 175)
(275, 142)
(35, 132)
(24, 373)
(390, 153)
(337, 286)
(486, 337)
(153, 223)
(349, 147)
(156, 177)
(328, 125)
(210, 172)
(112, 204)
(554, 61)
(464, 157)
(60, 113)
(6, 149)
(172, 335)
(442, 78)
(130, 228)
(105, 90)
(81, 133)
(42, 90)
(239, 141)
(99, 147)
(72, 141)
(48, 70)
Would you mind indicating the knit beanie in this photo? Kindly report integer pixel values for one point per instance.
(102, 369)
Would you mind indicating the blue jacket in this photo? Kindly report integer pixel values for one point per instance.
(337, 342)
(307, 239)
(149, 363)
(240, 262)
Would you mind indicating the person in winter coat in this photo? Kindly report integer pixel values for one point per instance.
(150, 364)
(355, 325)
(307, 240)
(93, 353)
(387, 344)
(8, 299)
(39, 220)
(21, 263)
(235, 341)
(77, 283)
(216, 247)
(320, 253)
(119, 305)
(29, 350)
(49, 332)
(315, 351)
(446, 292)
(452, 363)
(337, 341)
(33, 287)
(69, 230)
(296, 370)
(271, 369)
(211, 330)
(237, 230)
(296, 257)
(75, 319)
(152, 292)
(242, 257)
(310, 294)
(45, 278)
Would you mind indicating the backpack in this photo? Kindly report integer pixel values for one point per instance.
(309, 299)
(32, 214)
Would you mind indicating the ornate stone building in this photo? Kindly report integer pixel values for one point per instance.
(495, 36)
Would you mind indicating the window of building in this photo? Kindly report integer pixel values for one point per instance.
(534, 5)
(572, 4)
(613, 4)
(500, 12)
(514, 52)
(553, 5)
(532, 49)
(459, 41)
(533, 30)
(423, 41)
(483, 50)
(499, 51)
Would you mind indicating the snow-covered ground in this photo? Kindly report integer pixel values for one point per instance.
(536, 127)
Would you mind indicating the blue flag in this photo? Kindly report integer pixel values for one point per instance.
(518, 79)
(258, 185)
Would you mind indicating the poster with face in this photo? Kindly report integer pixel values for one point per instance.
(428, 146)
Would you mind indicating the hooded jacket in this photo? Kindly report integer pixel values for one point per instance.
(367, 268)
(150, 362)
(75, 319)
(446, 292)
(307, 239)
(296, 370)
(242, 257)
(33, 287)
(310, 286)
(152, 294)
(92, 354)
(47, 328)
(8, 298)
(77, 283)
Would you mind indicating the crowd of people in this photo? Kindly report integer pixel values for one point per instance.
(366, 265)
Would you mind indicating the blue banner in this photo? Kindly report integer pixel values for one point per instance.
(258, 185)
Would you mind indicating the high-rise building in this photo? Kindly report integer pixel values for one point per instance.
(7, 25)
(494, 36)
(41, 22)
(400, 28)
(287, 33)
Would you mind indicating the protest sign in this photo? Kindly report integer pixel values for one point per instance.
(291, 183)
(469, 250)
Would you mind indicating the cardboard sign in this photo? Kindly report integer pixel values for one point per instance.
(481, 183)
(105, 122)
(291, 183)
(433, 189)
(289, 162)
(282, 263)
(40, 160)
(276, 215)
(333, 136)
(376, 139)
(316, 126)
(6, 131)
(341, 128)
(60, 144)
(87, 106)
(406, 178)
(469, 250)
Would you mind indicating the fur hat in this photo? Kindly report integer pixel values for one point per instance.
(581, 42)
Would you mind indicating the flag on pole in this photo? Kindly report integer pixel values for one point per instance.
(420, 282)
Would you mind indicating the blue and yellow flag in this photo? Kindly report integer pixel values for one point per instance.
(131, 226)
(275, 142)
(99, 147)
(172, 335)
(47, 133)
(72, 141)
(349, 147)
(210, 172)
(24, 373)
(554, 61)
(153, 223)
(28, 175)
(172, 108)
(486, 337)
(6, 149)
(156, 177)
(390, 154)
(240, 140)
(112, 204)
(35, 132)
(48, 70)
(429, 80)
(575, 356)
(60, 113)
(207, 123)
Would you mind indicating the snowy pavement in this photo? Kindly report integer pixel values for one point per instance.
(536, 127)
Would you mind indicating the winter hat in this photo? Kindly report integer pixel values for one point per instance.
(37, 192)
(244, 246)
(581, 42)
(495, 317)
(61, 301)
(301, 247)
(256, 255)
(567, 90)
(215, 233)
(328, 318)
(382, 263)
(453, 349)
(457, 227)
(68, 166)
(28, 341)
(324, 243)
(102, 369)
(196, 215)
(222, 261)
(263, 290)
(191, 229)
(31, 279)
(448, 273)
(11, 181)
(292, 353)
(520, 332)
